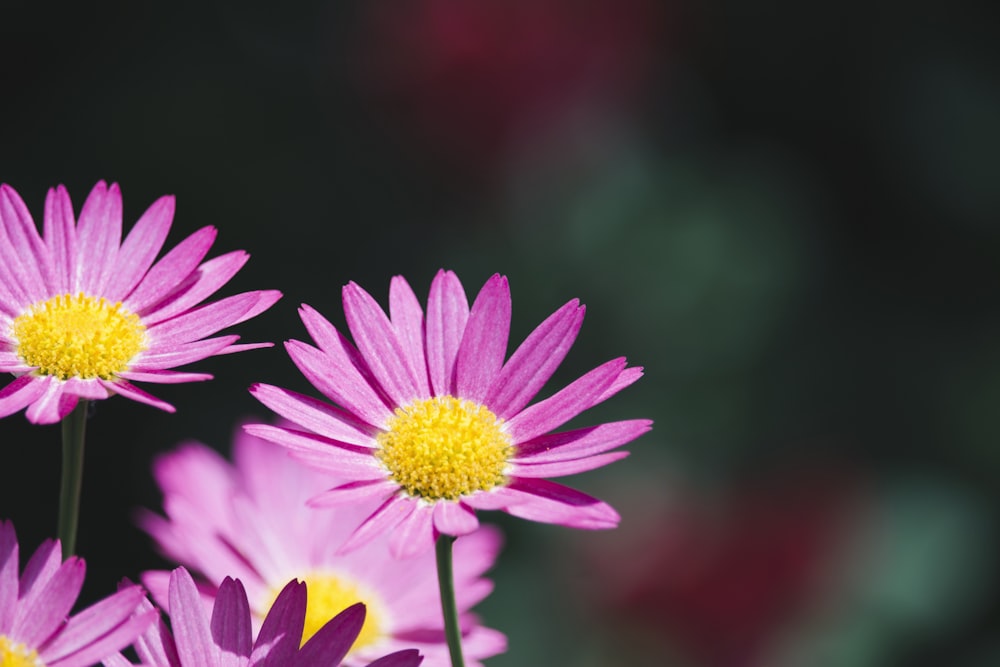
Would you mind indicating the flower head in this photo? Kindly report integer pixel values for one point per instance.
(249, 520)
(432, 423)
(34, 628)
(225, 638)
(83, 314)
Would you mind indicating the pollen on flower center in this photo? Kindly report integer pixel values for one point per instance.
(78, 336)
(326, 596)
(13, 654)
(442, 448)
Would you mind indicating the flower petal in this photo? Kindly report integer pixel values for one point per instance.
(99, 232)
(28, 258)
(164, 377)
(192, 635)
(447, 314)
(140, 248)
(100, 629)
(548, 502)
(484, 343)
(172, 356)
(534, 361)
(53, 405)
(205, 281)
(353, 493)
(408, 320)
(210, 318)
(230, 624)
(332, 642)
(43, 610)
(406, 658)
(322, 418)
(454, 518)
(562, 468)
(414, 535)
(21, 392)
(171, 271)
(580, 443)
(382, 520)
(60, 237)
(319, 452)
(128, 390)
(277, 642)
(376, 339)
(9, 564)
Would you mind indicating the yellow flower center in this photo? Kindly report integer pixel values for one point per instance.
(326, 596)
(17, 655)
(78, 336)
(442, 448)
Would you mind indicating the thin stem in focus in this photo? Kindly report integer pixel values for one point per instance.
(446, 582)
(74, 427)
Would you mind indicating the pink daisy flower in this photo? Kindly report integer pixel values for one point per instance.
(84, 314)
(249, 520)
(225, 638)
(433, 423)
(34, 628)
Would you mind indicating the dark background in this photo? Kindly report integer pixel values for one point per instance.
(788, 214)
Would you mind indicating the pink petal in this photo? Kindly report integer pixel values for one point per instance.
(51, 406)
(230, 624)
(210, 318)
(627, 377)
(27, 256)
(580, 443)
(171, 271)
(41, 567)
(319, 452)
(340, 381)
(499, 498)
(99, 232)
(42, 611)
(9, 564)
(354, 493)
(21, 392)
(414, 535)
(10, 362)
(382, 520)
(406, 658)
(408, 320)
(206, 281)
(562, 468)
(88, 633)
(454, 518)
(549, 502)
(164, 377)
(89, 389)
(565, 404)
(140, 248)
(376, 339)
(322, 418)
(447, 314)
(128, 390)
(484, 343)
(172, 356)
(534, 361)
(192, 635)
(60, 237)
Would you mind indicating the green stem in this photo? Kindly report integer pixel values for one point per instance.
(74, 427)
(446, 582)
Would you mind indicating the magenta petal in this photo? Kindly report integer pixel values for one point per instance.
(128, 390)
(319, 452)
(9, 564)
(454, 518)
(406, 658)
(353, 493)
(332, 642)
(549, 502)
(408, 320)
(53, 405)
(28, 257)
(627, 377)
(210, 318)
(340, 381)
(48, 603)
(164, 377)
(565, 404)
(386, 517)
(484, 343)
(534, 361)
(415, 534)
(317, 416)
(140, 248)
(60, 237)
(93, 626)
(376, 339)
(580, 442)
(281, 630)
(172, 270)
(21, 392)
(206, 281)
(562, 468)
(41, 567)
(99, 232)
(180, 355)
(192, 635)
(230, 624)
(90, 389)
(447, 314)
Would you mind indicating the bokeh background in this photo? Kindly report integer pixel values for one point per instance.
(787, 213)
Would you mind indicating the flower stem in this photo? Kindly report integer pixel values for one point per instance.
(74, 427)
(446, 582)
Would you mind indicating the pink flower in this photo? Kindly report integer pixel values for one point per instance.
(84, 314)
(249, 520)
(434, 424)
(225, 639)
(34, 628)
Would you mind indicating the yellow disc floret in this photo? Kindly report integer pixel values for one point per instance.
(442, 448)
(13, 654)
(326, 596)
(78, 336)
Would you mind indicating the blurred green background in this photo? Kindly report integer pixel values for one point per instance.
(787, 214)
